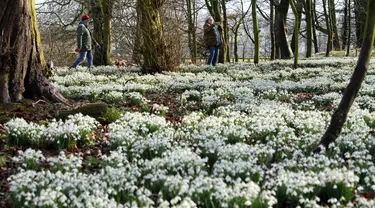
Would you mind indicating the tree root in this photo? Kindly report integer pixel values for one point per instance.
(50, 92)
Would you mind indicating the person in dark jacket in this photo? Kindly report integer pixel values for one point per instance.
(212, 39)
(83, 42)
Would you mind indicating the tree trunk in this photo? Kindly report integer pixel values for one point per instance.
(281, 35)
(272, 30)
(296, 31)
(235, 44)
(191, 30)
(339, 116)
(101, 12)
(137, 48)
(360, 18)
(23, 69)
(308, 28)
(154, 47)
(329, 31)
(344, 32)
(224, 55)
(255, 31)
(335, 34)
(315, 38)
(349, 29)
(298, 7)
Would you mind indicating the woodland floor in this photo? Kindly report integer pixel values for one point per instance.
(42, 110)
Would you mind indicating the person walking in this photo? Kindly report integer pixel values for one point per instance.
(83, 42)
(212, 39)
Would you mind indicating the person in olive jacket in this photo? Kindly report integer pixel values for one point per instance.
(212, 39)
(83, 42)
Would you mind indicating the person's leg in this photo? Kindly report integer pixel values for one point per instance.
(89, 59)
(216, 54)
(80, 58)
(211, 55)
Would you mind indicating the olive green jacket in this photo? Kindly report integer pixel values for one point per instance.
(83, 37)
(209, 35)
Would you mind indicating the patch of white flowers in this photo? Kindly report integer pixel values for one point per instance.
(249, 146)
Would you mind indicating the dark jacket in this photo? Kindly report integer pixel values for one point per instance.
(210, 36)
(83, 37)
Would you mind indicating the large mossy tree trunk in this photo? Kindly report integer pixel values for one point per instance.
(23, 69)
(339, 116)
(101, 14)
(154, 47)
(281, 35)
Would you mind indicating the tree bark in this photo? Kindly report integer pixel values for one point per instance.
(101, 12)
(281, 35)
(137, 48)
(191, 16)
(335, 34)
(155, 57)
(349, 29)
(272, 30)
(226, 52)
(344, 32)
(296, 31)
(308, 28)
(255, 31)
(329, 31)
(339, 116)
(235, 44)
(298, 6)
(315, 37)
(360, 18)
(23, 69)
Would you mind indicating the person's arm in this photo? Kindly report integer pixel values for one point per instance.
(79, 36)
(208, 27)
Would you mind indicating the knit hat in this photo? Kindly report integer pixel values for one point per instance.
(85, 17)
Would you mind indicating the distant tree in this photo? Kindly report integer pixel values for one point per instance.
(283, 49)
(23, 69)
(328, 24)
(334, 29)
(360, 18)
(272, 29)
(339, 116)
(255, 31)
(296, 31)
(191, 15)
(309, 27)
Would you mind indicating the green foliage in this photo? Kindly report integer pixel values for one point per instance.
(3, 161)
(110, 115)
